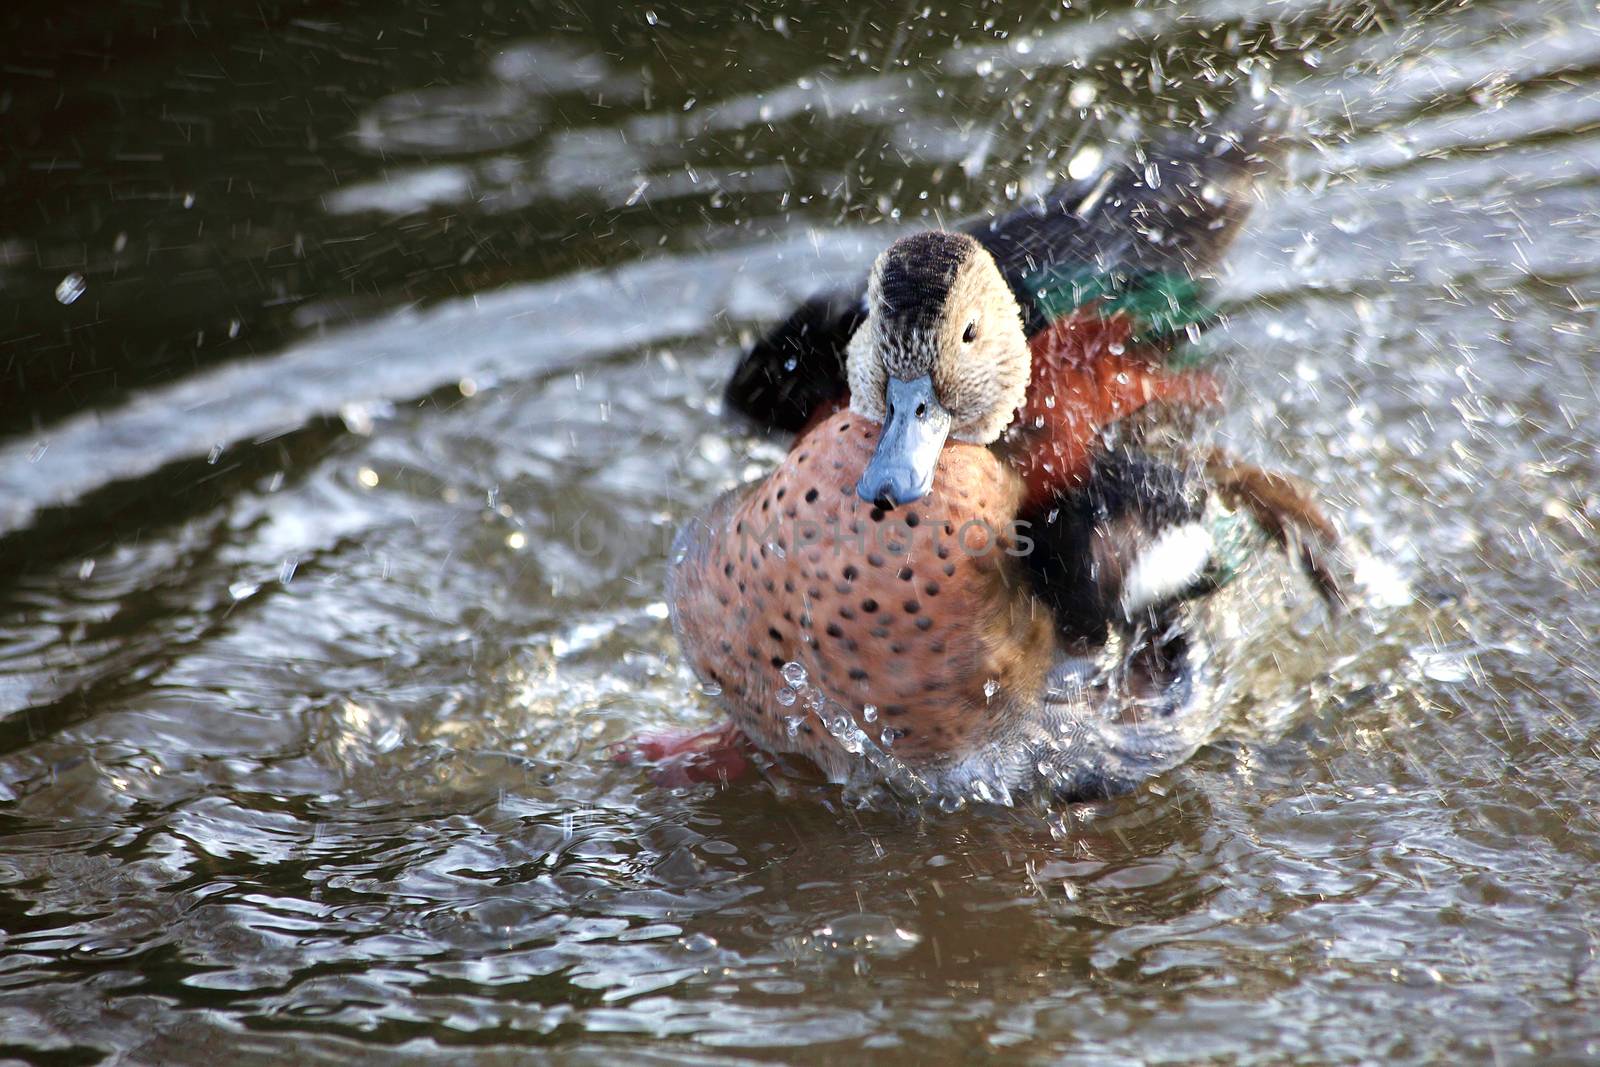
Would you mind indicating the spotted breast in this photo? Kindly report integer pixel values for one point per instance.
(918, 621)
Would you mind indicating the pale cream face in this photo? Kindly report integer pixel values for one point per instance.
(973, 347)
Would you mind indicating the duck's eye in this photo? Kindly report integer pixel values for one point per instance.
(970, 334)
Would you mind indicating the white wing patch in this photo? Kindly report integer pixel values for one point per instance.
(1174, 561)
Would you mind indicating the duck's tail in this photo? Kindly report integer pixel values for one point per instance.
(1145, 235)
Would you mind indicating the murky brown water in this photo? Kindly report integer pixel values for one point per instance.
(336, 500)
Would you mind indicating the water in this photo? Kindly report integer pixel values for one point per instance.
(337, 490)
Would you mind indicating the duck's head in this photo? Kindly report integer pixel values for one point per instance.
(941, 354)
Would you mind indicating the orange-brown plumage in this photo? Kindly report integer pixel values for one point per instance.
(1087, 374)
(920, 613)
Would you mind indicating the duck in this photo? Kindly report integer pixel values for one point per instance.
(977, 567)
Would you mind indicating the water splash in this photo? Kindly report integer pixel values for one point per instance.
(70, 288)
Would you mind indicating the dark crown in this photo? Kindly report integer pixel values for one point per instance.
(915, 276)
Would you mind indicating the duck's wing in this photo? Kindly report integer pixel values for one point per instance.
(1285, 510)
(1143, 236)
(1131, 245)
(1122, 547)
(1118, 272)
(1142, 534)
(796, 371)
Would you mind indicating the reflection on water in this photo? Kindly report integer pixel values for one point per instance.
(309, 658)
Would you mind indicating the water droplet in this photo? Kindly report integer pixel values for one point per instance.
(1085, 162)
(870, 713)
(1441, 665)
(71, 287)
(1260, 81)
(357, 419)
(786, 697)
(698, 942)
(794, 674)
(651, 18)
